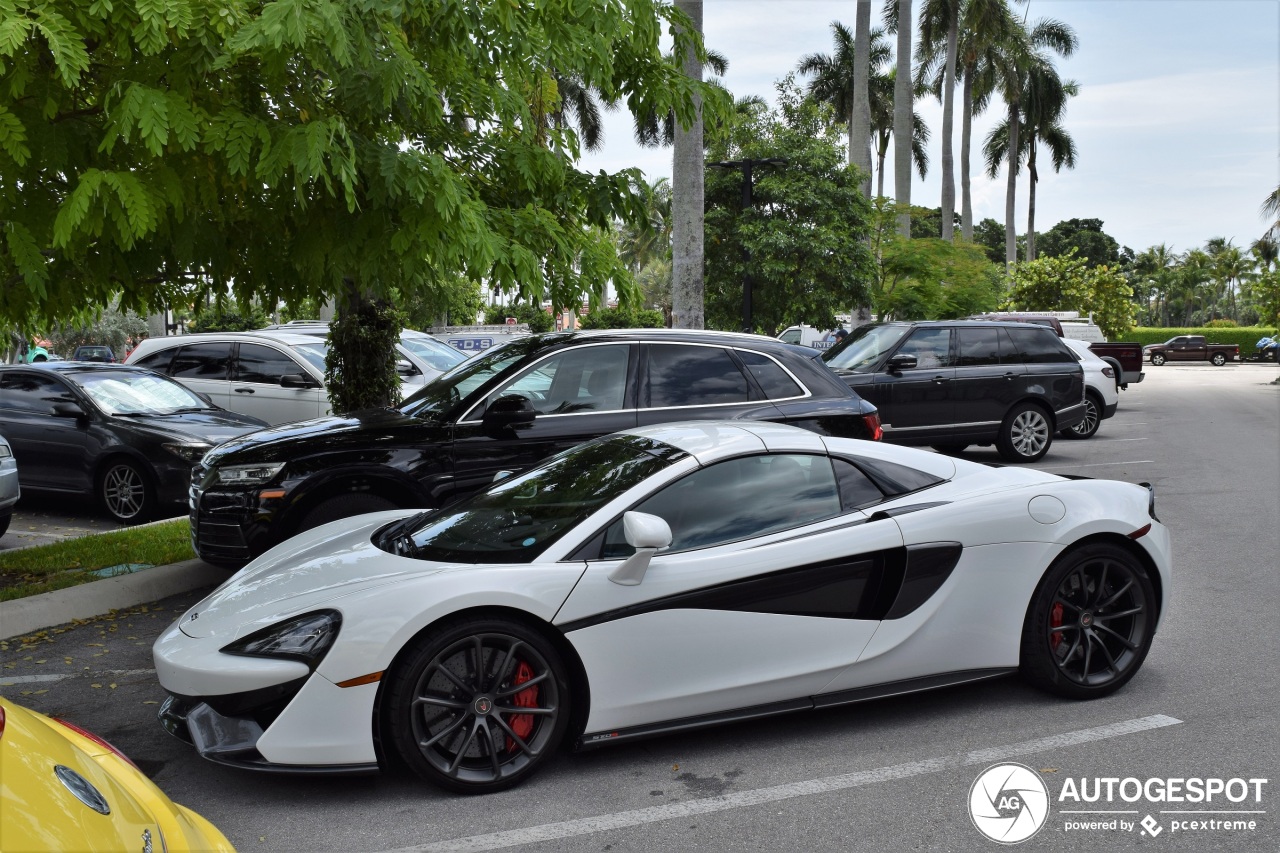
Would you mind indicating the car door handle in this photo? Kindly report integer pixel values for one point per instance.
(244, 390)
(938, 380)
(1010, 376)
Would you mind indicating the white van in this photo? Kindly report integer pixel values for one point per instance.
(808, 336)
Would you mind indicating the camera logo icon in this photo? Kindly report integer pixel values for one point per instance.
(1008, 803)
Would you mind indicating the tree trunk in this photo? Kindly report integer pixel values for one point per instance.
(1010, 192)
(860, 123)
(880, 171)
(948, 124)
(1032, 177)
(688, 172)
(966, 131)
(902, 125)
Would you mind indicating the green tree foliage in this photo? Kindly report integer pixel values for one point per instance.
(353, 364)
(928, 278)
(623, 318)
(228, 315)
(297, 149)
(537, 319)
(803, 240)
(1067, 283)
(989, 234)
(113, 328)
(457, 304)
(1093, 245)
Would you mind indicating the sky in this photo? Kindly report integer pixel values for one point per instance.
(1177, 124)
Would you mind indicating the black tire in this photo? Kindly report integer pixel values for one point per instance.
(343, 506)
(1025, 434)
(1104, 593)
(126, 491)
(471, 728)
(1092, 418)
(1157, 359)
(4, 522)
(1218, 359)
(950, 449)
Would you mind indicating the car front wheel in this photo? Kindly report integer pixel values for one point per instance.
(1218, 359)
(125, 491)
(1092, 419)
(343, 506)
(1157, 359)
(1025, 434)
(478, 705)
(1090, 623)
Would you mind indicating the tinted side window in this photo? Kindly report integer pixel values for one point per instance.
(584, 379)
(257, 363)
(856, 488)
(33, 392)
(775, 381)
(157, 361)
(201, 361)
(690, 375)
(980, 346)
(1040, 346)
(737, 499)
(931, 347)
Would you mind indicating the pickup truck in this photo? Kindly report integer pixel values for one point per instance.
(1126, 358)
(1192, 348)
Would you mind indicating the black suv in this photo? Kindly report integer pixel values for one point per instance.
(950, 384)
(503, 411)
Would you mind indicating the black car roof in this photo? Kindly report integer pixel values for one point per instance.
(73, 367)
(696, 336)
(933, 324)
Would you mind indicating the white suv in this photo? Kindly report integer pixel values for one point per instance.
(1101, 396)
(275, 376)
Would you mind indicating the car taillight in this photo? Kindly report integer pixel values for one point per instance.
(872, 422)
(1109, 373)
(102, 742)
(1, 721)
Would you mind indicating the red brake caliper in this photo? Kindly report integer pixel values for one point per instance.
(522, 724)
(1055, 621)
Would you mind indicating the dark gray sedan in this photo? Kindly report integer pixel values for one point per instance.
(125, 435)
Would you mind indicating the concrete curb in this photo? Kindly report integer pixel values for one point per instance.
(36, 612)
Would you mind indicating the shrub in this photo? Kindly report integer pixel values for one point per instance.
(1222, 323)
(619, 318)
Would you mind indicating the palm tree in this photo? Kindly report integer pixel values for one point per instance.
(1233, 267)
(688, 171)
(1019, 59)
(939, 36)
(860, 123)
(1266, 251)
(651, 132)
(639, 246)
(1197, 268)
(1045, 97)
(903, 116)
(1271, 210)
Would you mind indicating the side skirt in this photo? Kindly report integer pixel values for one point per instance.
(591, 740)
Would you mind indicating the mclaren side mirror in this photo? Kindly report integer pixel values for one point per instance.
(648, 534)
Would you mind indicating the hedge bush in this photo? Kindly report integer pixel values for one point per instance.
(1246, 337)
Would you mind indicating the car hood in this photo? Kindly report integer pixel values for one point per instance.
(290, 440)
(303, 573)
(214, 425)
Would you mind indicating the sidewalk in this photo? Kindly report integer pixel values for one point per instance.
(25, 616)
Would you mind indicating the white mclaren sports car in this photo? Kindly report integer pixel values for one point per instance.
(655, 580)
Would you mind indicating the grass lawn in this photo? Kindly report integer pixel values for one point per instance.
(63, 564)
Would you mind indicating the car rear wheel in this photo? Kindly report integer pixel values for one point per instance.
(1025, 435)
(4, 522)
(1218, 359)
(1090, 623)
(1092, 419)
(1157, 359)
(125, 491)
(343, 506)
(478, 705)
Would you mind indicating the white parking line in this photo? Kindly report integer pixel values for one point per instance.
(741, 799)
(6, 681)
(1100, 464)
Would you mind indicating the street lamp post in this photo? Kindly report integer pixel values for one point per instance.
(747, 166)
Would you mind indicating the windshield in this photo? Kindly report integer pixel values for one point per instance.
(865, 346)
(445, 391)
(519, 518)
(438, 356)
(313, 353)
(125, 392)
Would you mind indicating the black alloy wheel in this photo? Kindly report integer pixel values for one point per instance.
(478, 705)
(1090, 623)
(1157, 359)
(125, 491)
(1092, 419)
(1025, 434)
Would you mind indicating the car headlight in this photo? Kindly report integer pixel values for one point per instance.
(187, 452)
(248, 475)
(5, 452)
(305, 638)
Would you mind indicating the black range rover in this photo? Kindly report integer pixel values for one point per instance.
(953, 383)
(503, 411)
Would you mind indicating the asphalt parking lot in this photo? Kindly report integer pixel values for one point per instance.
(888, 775)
